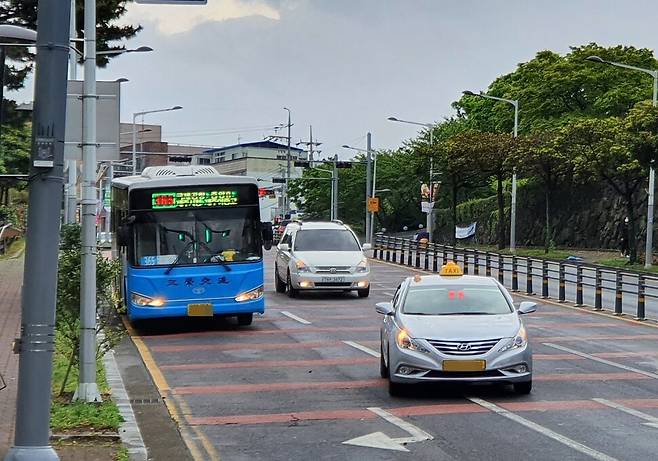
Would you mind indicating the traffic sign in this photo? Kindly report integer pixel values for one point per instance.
(279, 180)
(373, 205)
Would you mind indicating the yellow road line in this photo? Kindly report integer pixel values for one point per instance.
(170, 401)
(646, 323)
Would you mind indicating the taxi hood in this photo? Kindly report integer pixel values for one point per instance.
(461, 327)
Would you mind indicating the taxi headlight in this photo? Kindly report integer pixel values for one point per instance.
(518, 341)
(251, 295)
(405, 341)
(142, 301)
(302, 266)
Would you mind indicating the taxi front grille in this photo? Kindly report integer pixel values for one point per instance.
(463, 347)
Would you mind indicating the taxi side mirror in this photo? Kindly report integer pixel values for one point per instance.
(366, 247)
(385, 308)
(527, 307)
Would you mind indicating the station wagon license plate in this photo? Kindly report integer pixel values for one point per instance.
(199, 310)
(464, 365)
(333, 279)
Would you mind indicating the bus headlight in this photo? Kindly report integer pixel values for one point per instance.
(142, 301)
(252, 295)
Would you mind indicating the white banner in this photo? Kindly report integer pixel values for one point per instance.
(465, 232)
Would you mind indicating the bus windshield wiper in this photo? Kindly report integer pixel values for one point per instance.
(179, 256)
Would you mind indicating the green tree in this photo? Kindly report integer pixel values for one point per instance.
(553, 89)
(537, 156)
(601, 148)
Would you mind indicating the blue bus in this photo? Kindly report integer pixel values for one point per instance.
(191, 243)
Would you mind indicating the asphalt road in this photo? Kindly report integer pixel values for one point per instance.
(304, 378)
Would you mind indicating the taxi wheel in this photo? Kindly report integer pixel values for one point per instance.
(292, 292)
(394, 389)
(279, 284)
(523, 388)
(364, 293)
(245, 319)
(383, 369)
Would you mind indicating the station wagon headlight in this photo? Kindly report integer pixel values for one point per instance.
(362, 266)
(405, 341)
(251, 295)
(518, 341)
(143, 301)
(302, 266)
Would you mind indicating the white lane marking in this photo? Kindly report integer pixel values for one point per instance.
(365, 349)
(417, 434)
(600, 360)
(388, 293)
(543, 430)
(383, 441)
(294, 317)
(652, 421)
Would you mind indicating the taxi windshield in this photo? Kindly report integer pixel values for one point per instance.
(456, 300)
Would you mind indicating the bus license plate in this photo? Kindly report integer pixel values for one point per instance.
(333, 279)
(464, 365)
(199, 310)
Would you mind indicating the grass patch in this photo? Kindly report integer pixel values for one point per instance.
(78, 416)
(121, 454)
(527, 252)
(15, 248)
(622, 263)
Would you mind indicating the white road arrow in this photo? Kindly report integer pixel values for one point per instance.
(383, 441)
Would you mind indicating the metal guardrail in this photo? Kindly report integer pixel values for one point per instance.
(621, 290)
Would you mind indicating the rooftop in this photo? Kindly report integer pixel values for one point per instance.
(257, 144)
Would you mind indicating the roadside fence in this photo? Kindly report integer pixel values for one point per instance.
(623, 291)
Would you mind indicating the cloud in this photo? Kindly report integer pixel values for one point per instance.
(173, 19)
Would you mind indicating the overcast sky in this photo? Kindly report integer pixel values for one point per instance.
(344, 66)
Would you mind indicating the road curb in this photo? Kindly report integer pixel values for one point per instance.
(129, 430)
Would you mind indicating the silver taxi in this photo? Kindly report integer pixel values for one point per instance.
(454, 327)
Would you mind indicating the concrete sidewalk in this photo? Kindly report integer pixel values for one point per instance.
(11, 280)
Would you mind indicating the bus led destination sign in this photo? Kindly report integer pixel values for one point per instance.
(193, 199)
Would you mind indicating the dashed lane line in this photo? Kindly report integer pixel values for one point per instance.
(652, 421)
(543, 430)
(365, 349)
(604, 361)
(296, 318)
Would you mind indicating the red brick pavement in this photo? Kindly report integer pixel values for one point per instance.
(11, 279)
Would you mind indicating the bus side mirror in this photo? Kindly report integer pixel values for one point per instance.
(268, 235)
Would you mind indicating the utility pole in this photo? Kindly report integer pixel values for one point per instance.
(310, 145)
(87, 390)
(71, 203)
(286, 206)
(36, 344)
(368, 182)
(334, 177)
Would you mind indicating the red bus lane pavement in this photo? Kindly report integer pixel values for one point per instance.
(303, 382)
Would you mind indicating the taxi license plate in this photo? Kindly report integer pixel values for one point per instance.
(333, 279)
(464, 365)
(199, 310)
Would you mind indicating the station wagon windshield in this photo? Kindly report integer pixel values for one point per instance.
(456, 300)
(326, 240)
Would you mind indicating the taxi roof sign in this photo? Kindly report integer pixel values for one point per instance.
(451, 269)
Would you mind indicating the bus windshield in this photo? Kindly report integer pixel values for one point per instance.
(197, 236)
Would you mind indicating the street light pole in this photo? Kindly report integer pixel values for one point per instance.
(368, 184)
(515, 104)
(39, 292)
(429, 126)
(648, 250)
(134, 130)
